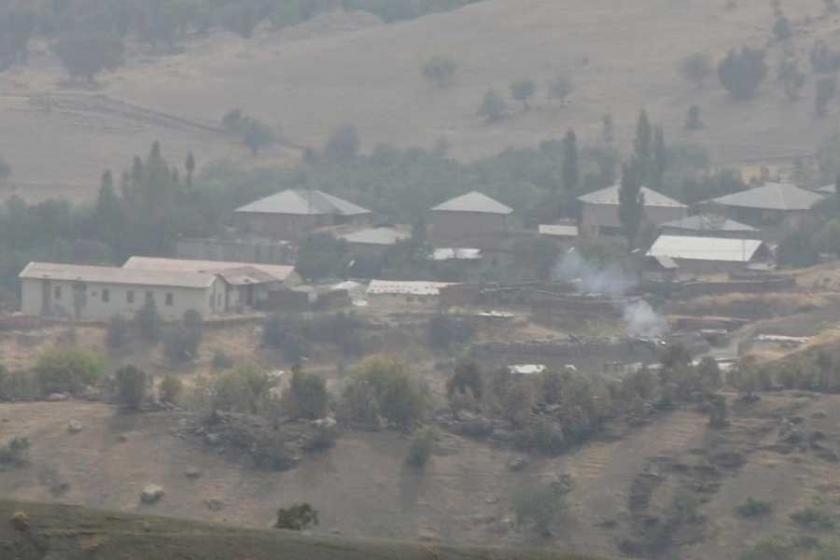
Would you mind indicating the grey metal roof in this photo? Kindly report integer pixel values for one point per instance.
(609, 196)
(384, 236)
(474, 202)
(558, 230)
(303, 203)
(723, 249)
(707, 222)
(828, 189)
(771, 196)
(114, 275)
(270, 272)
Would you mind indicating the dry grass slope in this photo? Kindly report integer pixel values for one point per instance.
(73, 533)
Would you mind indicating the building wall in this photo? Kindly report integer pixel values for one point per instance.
(709, 233)
(292, 227)
(244, 250)
(595, 216)
(465, 229)
(71, 300)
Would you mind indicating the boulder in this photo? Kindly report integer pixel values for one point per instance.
(74, 426)
(192, 472)
(151, 494)
(57, 397)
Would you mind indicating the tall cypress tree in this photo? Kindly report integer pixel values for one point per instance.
(571, 173)
(631, 202)
(643, 146)
(660, 159)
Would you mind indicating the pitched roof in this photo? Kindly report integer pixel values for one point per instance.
(474, 202)
(393, 287)
(268, 272)
(456, 254)
(771, 196)
(705, 248)
(303, 203)
(114, 275)
(708, 222)
(609, 196)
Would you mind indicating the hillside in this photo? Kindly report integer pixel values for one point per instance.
(352, 69)
(72, 533)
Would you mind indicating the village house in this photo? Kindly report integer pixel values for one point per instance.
(709, 225)
(98, 293)
(372, 241)
(770, 207)
(293, 214)
(707, 255)
(470, 220)
(248, 286)
(599, 210)
(405, 293)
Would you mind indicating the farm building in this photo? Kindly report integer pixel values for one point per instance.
(292, 214)
(565, 232)
(707, 254)
(770, 206)
(470, 220)
(372, 241)
(247, 285)
(709, 225)
(599, 210)
(97, 293)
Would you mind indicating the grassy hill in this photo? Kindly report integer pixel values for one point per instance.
(353, 69)
(72, 533)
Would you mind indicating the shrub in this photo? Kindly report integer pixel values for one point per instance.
(422, 447)
(754, 508)
(131, 386)
(742, 72)
(13, 454)
(813, 519)
(286, 333)
(770, 549)
(170, 389)
(68, 370)
(826, 90)
(392, 392)
(782, 29)
(560, 88)
(343, 144)
(244, 389)
(523, 90)
(692, 119)
(824, 59)
(539, 505)
(439, 70)
(493, 107)
(147, 321)
(221, 360)
(444, 332)
(118, 334)
(306, 396)
(696, 68)
(296, 518)
(181, 342)
(466, 379)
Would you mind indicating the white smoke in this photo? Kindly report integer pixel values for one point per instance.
(611, 280)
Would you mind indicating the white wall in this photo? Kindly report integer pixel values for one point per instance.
(94, 308)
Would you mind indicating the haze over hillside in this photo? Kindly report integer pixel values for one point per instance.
(621, 56)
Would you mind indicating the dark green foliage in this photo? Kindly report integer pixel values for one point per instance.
(306, 396)
(718, 415)
(692, 119)
(384, 387)
(422, 447)
(797, 249)
(791, 77)
(343, 144)
(253, 133)
(5, 170)
(754, 508)
(170, 389)
(322, 256)
(493, 107)
(244, 390)
(782, 29)
(147, 321)
(13, 454)
(824, 59)
(445, 333)
(561, 88)
(285, 333)
(523, 90)
(467, 378)
(696, 68)
(570, 169)
(540, 506)
(68, 370)
(439, 70)
(118, 334)
(741, 73)
(182, 341)
(131, 384)
(296, 518)
(826, 90)
(813, 519)
(221, 360)
(86, 54)
(631, 202)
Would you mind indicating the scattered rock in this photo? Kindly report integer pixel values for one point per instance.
(57, 397)
(327, 423)
(517, 464)
(490, 500)
(213, 439)
(819, 414)
(214, 505)
(122, 438)
(151, 494)
(74, 427)
(427, 535)
(20, 521)
(192, 472)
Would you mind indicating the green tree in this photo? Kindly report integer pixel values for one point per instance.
(792, 78)
(147, 321)
(306, 396)
(560, 88)
(189, 165)
(68, 370)
(570, 169)
(5, 171)
(131, 386)
(826, 90)
(522, 91)
(493, 107)
(257, 136)
(643, 147)
(296, 518)
(540, 506)
(86, 54)
(439, 70)
(692, 119)
(422, 447)
(631, 202)
(782, 29)
(118, 333)
(170, 389)
(696, 68)
(467, 378)
(741, 73)
(660, 159)
(343, 144)
(182, 341)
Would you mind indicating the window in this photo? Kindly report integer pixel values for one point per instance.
(106, 295)
(57, 292)
(170, 299)
(129, 296)
(150, 297)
